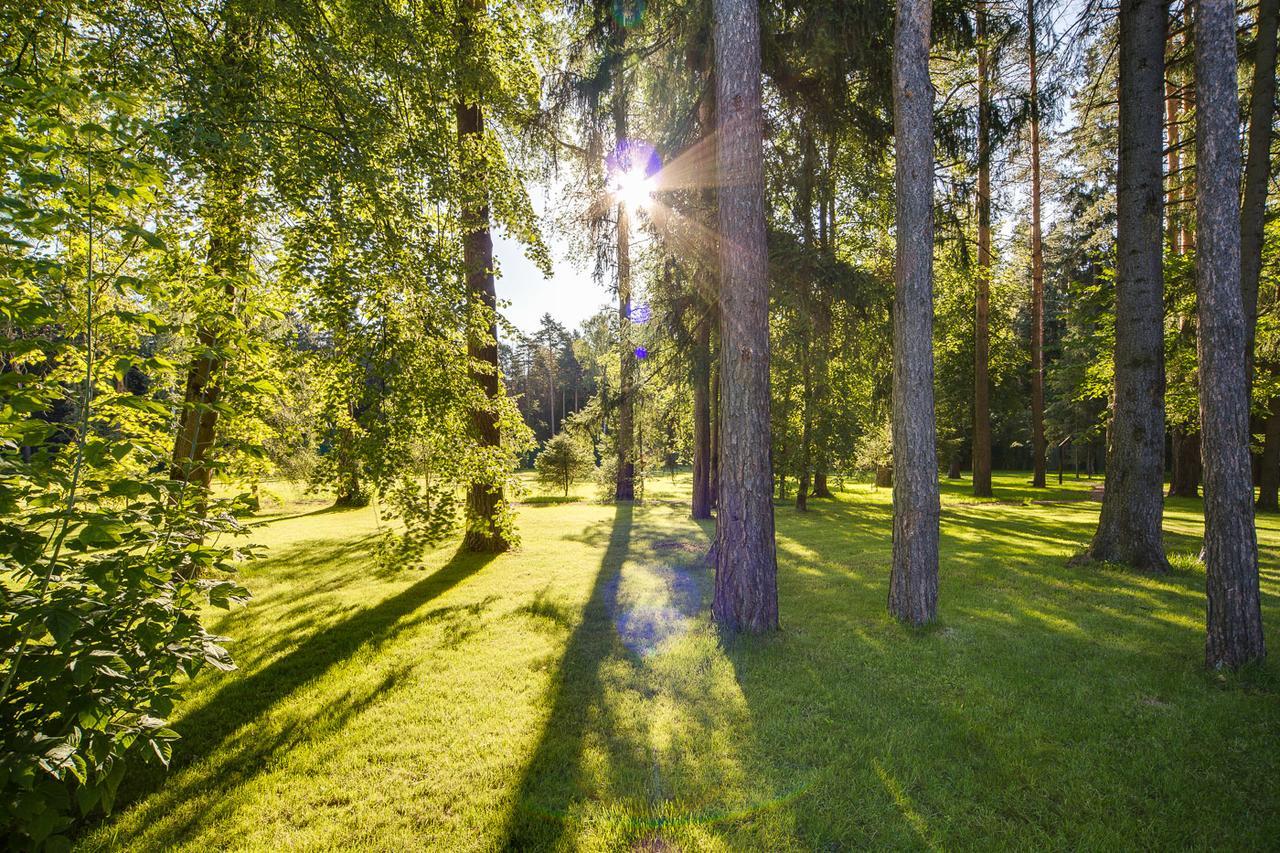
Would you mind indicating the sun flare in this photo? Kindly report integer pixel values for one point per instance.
(634, 188)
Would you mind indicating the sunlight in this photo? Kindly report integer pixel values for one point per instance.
(632, 170)
(633, 188)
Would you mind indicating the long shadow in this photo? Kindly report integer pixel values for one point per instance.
(552, 779)
(245, 697)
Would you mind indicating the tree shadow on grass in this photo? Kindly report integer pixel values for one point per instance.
(214, 729)
(1045, 688)
(648, 743)
(551, 781)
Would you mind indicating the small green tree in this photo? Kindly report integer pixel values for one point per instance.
(563, 460)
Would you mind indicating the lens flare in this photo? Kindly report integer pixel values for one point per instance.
(632, 171)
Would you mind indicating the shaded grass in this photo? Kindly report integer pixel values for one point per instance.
(573, 695)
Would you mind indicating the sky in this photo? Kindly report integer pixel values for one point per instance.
(571, 295)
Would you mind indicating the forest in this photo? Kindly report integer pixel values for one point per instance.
(639, 425)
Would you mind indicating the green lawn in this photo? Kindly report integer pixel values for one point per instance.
(574, 694)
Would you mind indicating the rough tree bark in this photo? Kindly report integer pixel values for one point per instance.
(487, 516)
(982, 301)
(913, 580)
(1129, 527)
(1234, 616)
(746, 567)
(1037, 267)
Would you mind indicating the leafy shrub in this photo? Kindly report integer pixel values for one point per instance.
(105, 562)
(564, 460)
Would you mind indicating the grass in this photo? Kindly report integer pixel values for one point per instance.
(573, 695)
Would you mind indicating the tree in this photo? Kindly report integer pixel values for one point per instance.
(982, 302)
(489, 526)
(563, 461)
(1252, 230)
(1129, 527)
(1037, 264)
(746, 567)
(1234, 634)
(226, 151)
(913, 579)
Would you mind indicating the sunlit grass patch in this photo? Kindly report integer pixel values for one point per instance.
(574, 695)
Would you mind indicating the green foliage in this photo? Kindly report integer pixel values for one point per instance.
(564, 460)
(105, 563)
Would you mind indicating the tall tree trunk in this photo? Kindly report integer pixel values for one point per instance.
(702, 420)
(982, 307)
(1257, 175)
(230, 174)
(1257, 172)
(705, 412)
(625, 489)
(913, 580)
(1037, 268)
(746, 567)
(1234, 619)
(804, 209)
(228, 259)
(488, 516)
(1129, 527)
(717, 444)
(821, 398)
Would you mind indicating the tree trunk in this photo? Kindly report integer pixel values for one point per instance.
(746, 568)
(806, 428)
(1185, 482)
(488, 521)
(1037, 270)
(807, 402)
(230, 240)
(625, 489)
(913, 579)
(1133, 502)
(1234, 635)
(884, 476)
(821, 396)
(716, 443)
(1257, 171)
(1269, 476)
(953, 468)
(982, 309)
(702, 420)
